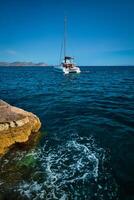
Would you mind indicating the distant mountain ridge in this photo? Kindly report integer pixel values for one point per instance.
(18, 63)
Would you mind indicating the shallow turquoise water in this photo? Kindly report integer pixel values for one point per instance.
(86, 146)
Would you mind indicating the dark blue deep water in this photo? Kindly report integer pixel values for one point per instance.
(85, 149)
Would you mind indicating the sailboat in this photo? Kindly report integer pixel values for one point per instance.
(68, 65)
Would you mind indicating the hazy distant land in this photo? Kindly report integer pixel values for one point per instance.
(39, 64)
(18, 63)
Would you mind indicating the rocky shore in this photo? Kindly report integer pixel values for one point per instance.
(16, 125)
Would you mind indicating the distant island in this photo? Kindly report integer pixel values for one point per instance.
(18, 63)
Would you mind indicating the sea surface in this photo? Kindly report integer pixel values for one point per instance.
(85, 149)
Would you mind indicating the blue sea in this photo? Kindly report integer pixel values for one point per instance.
(85, 148)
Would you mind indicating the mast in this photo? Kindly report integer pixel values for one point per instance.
(65, 34)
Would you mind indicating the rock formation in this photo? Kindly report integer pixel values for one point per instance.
(16, 125)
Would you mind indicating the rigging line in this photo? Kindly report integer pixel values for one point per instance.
(65, 34)
(63, 45)
(61, 50)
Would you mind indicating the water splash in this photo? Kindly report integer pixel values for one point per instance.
(66, 171)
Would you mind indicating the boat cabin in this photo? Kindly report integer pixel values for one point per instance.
(68, 62)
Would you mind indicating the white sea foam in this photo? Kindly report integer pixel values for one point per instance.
(61, 167)
(31, 189)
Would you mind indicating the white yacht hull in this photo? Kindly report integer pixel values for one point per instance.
(67, 70)
(71, 70)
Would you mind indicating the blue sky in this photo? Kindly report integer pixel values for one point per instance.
(100, 32)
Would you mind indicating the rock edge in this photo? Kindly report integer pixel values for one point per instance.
(16, 125)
